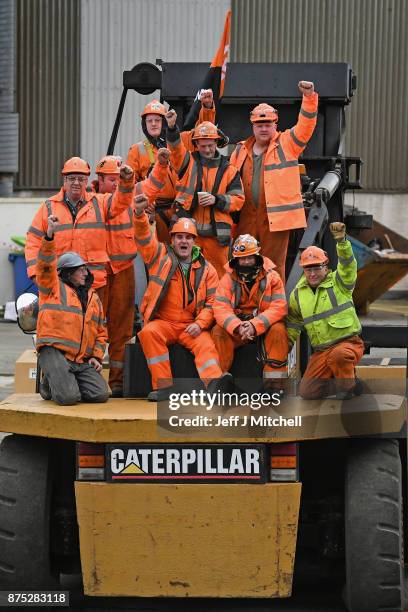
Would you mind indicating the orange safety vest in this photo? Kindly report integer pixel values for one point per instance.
(216, 176)
(232, 298)
(120, 241)
(61, 321)
(162, 264)
(284, 204)
(86, 235)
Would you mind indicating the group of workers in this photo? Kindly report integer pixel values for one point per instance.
(213, 234)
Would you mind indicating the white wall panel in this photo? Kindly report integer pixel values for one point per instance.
(116, 35)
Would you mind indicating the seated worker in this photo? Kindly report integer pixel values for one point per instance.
(322, 304)
(209, 188)
(143, 155)
(83, 215)
(71, 333)
(250, 304)
(177, 305)
(268, 164)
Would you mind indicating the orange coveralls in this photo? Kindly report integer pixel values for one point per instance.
(171, 303)
(266, 301)
(280, 206)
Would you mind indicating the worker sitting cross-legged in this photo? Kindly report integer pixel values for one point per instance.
(322, 304)
(177, 305)
(209, 188)
(250, 305)
(268, 164)
(71, 332)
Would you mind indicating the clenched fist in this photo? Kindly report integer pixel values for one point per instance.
(171, 118)
(126, 172)
(338, 230)
(141, 202)
(306, 88)
(163, 156)
(53, 223)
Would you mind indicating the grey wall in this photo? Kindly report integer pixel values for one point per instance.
(48, 80)
(371, 35)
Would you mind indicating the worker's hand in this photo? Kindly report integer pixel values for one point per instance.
(140, 203)
(306, 88)
(206, 199)
(338, 231)
(207, 98)
(126, 172)
(193, 330)
(95, 364)
(249, 330)
(171, 118)
(53, 223)
(163, 156)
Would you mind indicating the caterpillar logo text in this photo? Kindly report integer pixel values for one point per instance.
(186, 463)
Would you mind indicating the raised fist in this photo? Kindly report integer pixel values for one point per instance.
(53, 223)
(338, 230)
(306, 88)
(141, 202)
(163, 156)
(171, 118)
(126, 172)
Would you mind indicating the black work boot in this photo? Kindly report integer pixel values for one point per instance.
(160, 395)
(45, 390)
(223, 384)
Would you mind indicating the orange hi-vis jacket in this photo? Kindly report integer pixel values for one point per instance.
(167, 281)
(216, 176)
(61, 321)
(281, 186)
(143, 155)
(86, 235)
(266, 299)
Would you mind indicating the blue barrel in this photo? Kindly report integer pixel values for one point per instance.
(22, 284)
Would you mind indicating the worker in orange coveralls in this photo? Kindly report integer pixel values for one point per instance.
(209, 188)
(250, 304)
(82, 217)
(177, 306)
(119, 295)
(268, 163)
(143, 155)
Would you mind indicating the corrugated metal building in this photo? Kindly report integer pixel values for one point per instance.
(372, 36)
(71, 55)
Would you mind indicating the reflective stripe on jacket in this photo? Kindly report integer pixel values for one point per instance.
(268, 293)
(162, 264)
(143, 155)
(328, 313)
(282, 186)
(216, 176)
(61, 321)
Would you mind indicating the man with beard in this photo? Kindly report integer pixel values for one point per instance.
(177, 305)
(250, 304)
(71, 332)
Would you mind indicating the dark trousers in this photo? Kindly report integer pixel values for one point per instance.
(67, 382)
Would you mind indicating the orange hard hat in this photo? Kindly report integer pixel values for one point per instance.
(245, 245)
(76, 165)
(205, 130)
(312, 256)
(109, 164)
(184, 226)
(263, 112)
(154, 108)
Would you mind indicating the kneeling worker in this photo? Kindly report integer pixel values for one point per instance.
(71, 333)
(177, 305)
(322, 303)
(250, 303)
